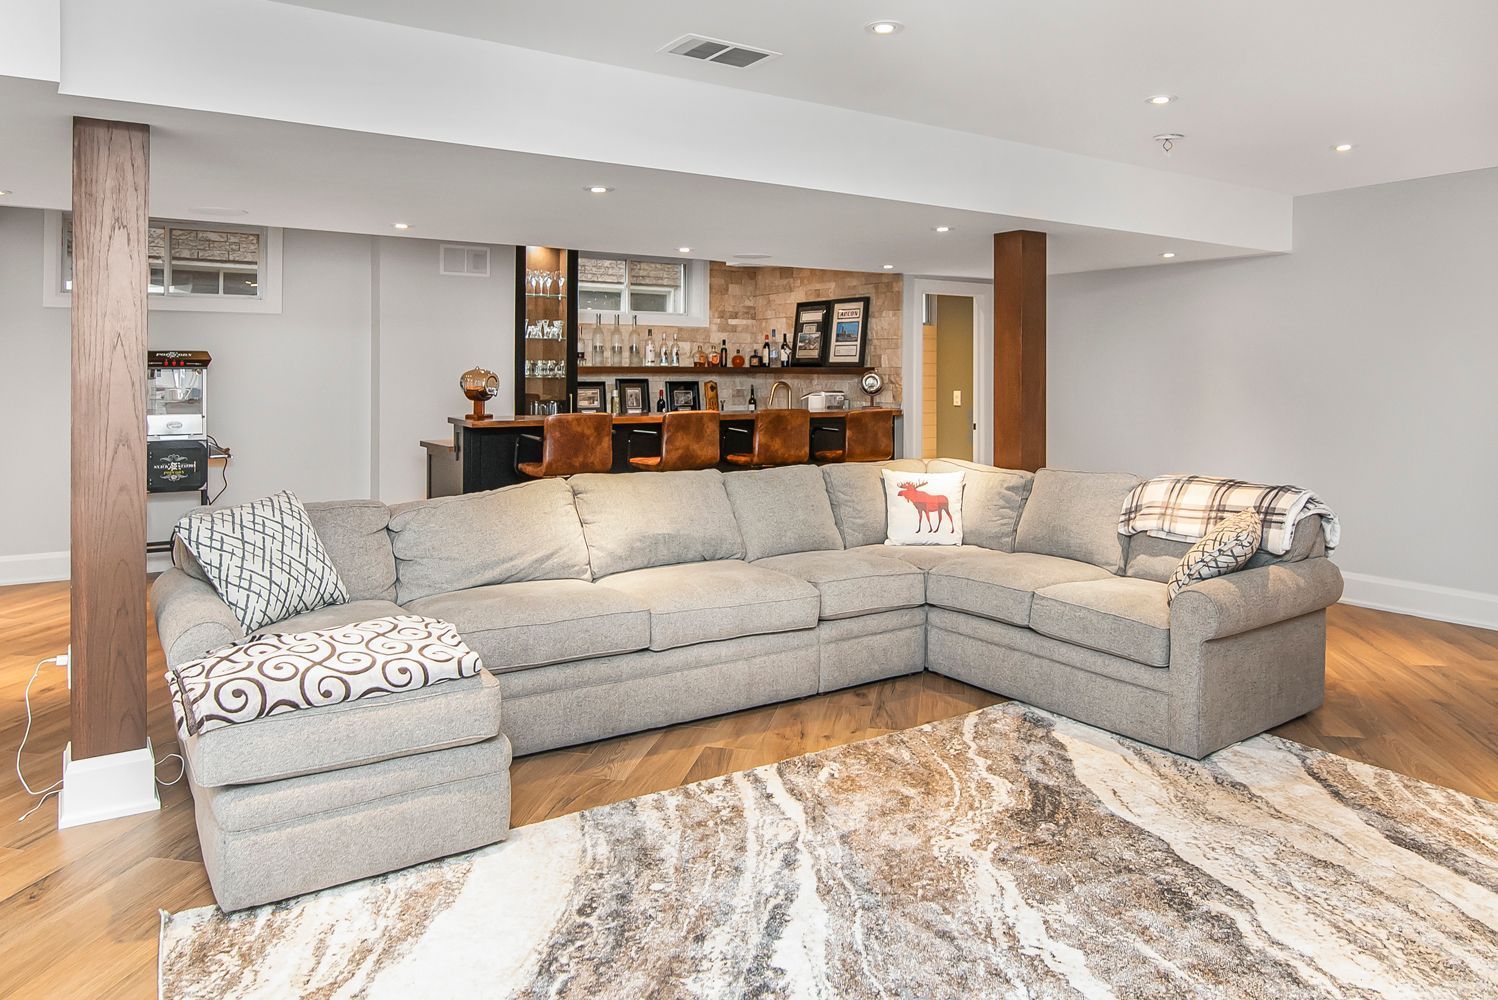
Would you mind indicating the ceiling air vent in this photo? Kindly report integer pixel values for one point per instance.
(464, 261)
(715, 50)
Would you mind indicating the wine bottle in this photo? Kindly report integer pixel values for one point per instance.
(660, 402)
(768, 352)
(785, 352)
(754, 361)
(723, 354)
(753, 404)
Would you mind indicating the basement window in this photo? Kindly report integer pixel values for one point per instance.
(658, 290)
(210, 267)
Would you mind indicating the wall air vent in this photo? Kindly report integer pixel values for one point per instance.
(715, 50)
(463, 261)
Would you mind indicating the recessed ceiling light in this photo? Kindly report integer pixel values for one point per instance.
(1167, 255)
(941, 229)
(883, 27)
(889, 267)
(1160, 99)
(1342, 147)
(4, 193)
(402, 225)
(598, 189)
(683, 249)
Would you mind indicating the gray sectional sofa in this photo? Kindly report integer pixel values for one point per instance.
(607, 604)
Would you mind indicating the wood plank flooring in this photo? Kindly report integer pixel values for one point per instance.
(78, 908)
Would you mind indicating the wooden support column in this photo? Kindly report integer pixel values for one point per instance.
(1019, 349)
(110, 223)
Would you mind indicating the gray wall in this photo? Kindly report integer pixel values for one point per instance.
(298, 396)
(1362, 366)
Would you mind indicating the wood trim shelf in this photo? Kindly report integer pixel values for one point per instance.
(844, 371)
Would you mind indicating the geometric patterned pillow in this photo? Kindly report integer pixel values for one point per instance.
(1227, 547)
(264, 558)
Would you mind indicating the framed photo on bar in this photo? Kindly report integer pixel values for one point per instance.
(849, 323)
(683, 396)
(592, 397)
(809, 333)
(634, 395)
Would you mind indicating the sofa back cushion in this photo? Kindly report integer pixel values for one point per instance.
(525, 532)
(992, 499)
(353, 535)
(856, 492)
(782, 510)
(1074, 515)
(658, 519)
(1155, 559)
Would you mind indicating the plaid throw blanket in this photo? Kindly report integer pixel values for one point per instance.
(1187, 507)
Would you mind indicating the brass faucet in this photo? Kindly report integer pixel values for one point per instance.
(773, 388)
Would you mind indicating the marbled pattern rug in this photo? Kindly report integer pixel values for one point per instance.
(1006, 853)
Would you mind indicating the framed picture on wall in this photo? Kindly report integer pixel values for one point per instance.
(634, 395)
(809, 334)
(849, 324)
(592, 397)
(683, 396)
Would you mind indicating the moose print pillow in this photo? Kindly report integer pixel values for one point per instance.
(923, 508)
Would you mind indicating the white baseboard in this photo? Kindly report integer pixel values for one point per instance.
(108, 787)
(1423, 600)
(35, 567)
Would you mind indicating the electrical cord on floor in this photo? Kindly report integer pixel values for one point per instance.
(180, 774)
(223, 489)
(56, 786)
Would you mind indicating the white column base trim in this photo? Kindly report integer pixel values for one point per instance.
(1423, 600)
(108, 787)
(34, 567)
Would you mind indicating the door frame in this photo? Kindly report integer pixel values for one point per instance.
(981, 292)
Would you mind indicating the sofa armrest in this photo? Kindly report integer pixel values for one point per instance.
(1252, 598)
(191, 619)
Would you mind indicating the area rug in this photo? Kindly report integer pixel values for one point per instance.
(1003, 853)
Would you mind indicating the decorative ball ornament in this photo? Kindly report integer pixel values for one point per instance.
(479, 385)
(872, 382)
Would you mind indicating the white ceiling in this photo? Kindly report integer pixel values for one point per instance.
(1265, 88)
(303, 176)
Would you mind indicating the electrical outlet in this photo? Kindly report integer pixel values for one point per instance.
(66, 662)
(956, 397)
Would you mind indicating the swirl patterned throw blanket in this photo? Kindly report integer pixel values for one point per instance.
(273, 673)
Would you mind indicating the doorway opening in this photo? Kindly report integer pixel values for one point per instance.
(949, 397)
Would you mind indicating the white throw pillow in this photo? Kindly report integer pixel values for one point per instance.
(923, 508)
(264, 558)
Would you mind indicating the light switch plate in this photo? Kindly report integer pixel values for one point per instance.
(956, 397)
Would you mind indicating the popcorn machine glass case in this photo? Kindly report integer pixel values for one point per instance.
(176, 421)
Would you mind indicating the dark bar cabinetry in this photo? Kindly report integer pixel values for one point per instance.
(545, 330)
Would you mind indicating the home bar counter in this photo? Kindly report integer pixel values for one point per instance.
(482, 453)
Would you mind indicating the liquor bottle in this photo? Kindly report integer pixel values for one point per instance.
(723, 354)
(650, 348)
(753, 404)
(675, 352)
(767, 353)
(614, 401)
(634, 342)
(660, 402)
(714, 359)
(701, 360)
(617, 347)
(754, 361)
(738, 358)
(597, 341)
(785, 352)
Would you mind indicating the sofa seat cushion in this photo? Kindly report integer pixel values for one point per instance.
(334, 616)
(924, 557)
(514, 626)
(854, 583)
(350, 734)
(1121, 615)
(1000, 585)
(722, 599)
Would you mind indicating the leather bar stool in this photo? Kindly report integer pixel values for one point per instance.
(868, 436)
(780, 437)
(689, 440)
(572, 443)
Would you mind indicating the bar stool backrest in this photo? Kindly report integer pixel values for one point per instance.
(782, 437)
(577, 442)
(870, 436)
(689, 440)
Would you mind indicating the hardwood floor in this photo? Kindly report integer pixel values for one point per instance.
(78, 908)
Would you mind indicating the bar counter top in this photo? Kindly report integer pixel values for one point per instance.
(640, 419)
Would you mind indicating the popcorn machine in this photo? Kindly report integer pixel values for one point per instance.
(177, 421)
